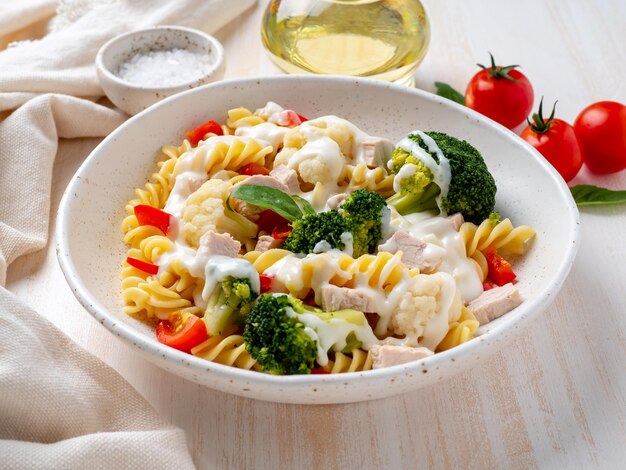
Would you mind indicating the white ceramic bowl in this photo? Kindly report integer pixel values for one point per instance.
(133, 97)
(91, 251)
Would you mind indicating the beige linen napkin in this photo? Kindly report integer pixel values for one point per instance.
(60, 407)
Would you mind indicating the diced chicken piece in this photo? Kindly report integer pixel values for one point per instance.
(267, 242)
(335, 201)
(374, 152)
(339, 298)
(265, 180)
(288, 177)
(457, 220)
(213, 243)
(494, 303)
(250, 211)
(415, 252)
(387, 355)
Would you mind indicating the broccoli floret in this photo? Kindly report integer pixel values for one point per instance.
(472, 188)
(365, 209)
(314, 228)
(494, 218)
(228, 304)
(417, 189)
(275, 337)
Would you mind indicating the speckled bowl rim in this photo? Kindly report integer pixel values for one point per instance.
(217, 50)
(481, 346)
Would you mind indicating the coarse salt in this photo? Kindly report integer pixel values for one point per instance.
(165, 68)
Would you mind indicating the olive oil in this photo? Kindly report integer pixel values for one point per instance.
(384, 39)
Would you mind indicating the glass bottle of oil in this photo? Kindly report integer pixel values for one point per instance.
(384, 39)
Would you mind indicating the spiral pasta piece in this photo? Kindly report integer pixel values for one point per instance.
(358, 361)
(222, 153)
(460, 331)
(156, 192)
(152, 247)
(503, 236)
(229, 350)
(381, 271)
(362, 177)
(135, 233)
(239, 117)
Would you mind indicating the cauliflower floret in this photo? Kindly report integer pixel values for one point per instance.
(205, 210)
(318, 161)
(334, 128)
(425, 309)
(316, 149)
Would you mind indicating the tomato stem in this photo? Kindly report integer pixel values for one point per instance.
(497, 71)
(539, 125)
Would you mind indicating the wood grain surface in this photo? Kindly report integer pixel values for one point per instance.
(553, 398)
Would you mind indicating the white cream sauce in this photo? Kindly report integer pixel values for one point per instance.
(265, 132)
(271, 112)
(356, 140)
(185, 184)
(319, 160)
(332, 334)
(407, 171)
(441, 171)
(218, 268)
(440, 232)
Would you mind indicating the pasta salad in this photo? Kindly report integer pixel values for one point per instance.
(287, 245)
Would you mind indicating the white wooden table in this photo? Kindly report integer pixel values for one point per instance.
(554, 398)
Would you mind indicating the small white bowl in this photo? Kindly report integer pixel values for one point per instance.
(134, 97)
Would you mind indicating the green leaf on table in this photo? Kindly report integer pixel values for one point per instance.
(268, 198)
(590, 195)
(445, 90)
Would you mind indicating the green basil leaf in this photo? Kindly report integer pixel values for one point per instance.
(269, 198)
(304, 204)
(589, 195)
(445, 90)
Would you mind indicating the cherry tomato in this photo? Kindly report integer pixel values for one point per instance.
(601, 131)
(290, 118)
(500, 93)
(199, 132)
(184, 333)
(556, 140)
(143, 265)
(148, 215)
(500, 270)
(270, 219)
(252, 169)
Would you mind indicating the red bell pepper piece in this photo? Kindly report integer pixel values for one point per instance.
(270, 219)
(302, 118)
(185, 334)
(148, 215)
(197, 134)
(281, 232)
(500, 270)
(266, 282)
(319, 370)
(252, 169)
(143, 265)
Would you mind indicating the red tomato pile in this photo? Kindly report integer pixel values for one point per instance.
(597, 139)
